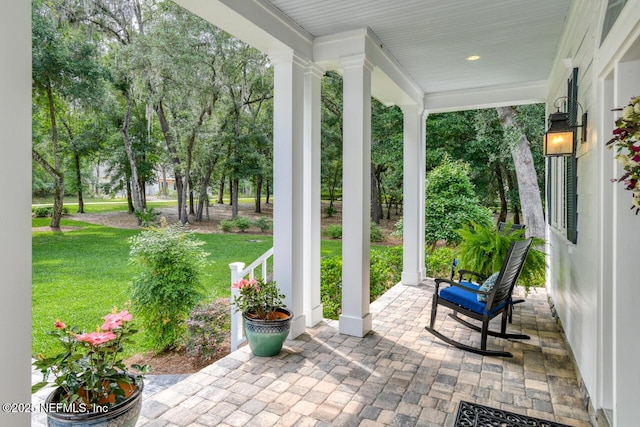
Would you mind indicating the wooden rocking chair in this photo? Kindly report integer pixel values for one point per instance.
(462, 298)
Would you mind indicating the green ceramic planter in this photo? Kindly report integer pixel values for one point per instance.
(267, 336)
(124, 414)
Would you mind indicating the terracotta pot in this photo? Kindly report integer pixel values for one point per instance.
(124, 414)
(266, 337)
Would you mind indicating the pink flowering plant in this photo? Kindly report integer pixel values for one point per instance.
(90, 368)
(257, 299)
(626, 140)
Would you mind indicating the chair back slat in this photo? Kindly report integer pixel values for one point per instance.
(509, 273)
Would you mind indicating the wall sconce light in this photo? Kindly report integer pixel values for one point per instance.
(559, 139)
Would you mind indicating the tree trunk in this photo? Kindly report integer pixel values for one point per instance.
(56, 171)
(221, 186)
(234, 198)
(502, 217)
(181, 187)
(136, 195)
(258, 208)
(376, 213)
(203, 197)
(530, 200)
(76, 158)
(268, 191)
(130, 206)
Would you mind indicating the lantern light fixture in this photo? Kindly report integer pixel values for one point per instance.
(559, 139)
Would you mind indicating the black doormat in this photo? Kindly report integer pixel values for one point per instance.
(474, 415)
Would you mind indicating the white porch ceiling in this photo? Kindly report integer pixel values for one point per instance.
(516, 40)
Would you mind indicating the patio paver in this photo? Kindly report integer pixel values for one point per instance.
(398, 374)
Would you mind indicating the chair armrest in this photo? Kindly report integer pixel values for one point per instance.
(458, 285)
(462, 273)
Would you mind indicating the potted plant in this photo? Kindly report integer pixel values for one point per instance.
(94, 386)
(266, 319)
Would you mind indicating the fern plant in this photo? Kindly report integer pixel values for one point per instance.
(483, 250)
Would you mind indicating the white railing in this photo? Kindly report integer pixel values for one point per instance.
(239, 272)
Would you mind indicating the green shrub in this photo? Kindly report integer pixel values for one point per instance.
(334, 231)
(331, 286)
(439, 262)
(385, 272)
(169, 286)
(207, 327)
(375, 233)
(263, 224)
(226, 225)
(329, 211)
(242, 223)
(452, 203)
(483, 250)
(43, 212)
(147, 217)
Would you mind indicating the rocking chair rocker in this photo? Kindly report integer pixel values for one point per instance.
(462, 298)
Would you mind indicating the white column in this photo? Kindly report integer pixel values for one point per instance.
(413, 197)
(311, 182)
(288, 226)
(626, 292)
(355, 319)
(15, 189)
(422, 177)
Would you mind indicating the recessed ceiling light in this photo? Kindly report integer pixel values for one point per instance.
(473, 57)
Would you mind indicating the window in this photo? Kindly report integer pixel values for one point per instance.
(614, 7)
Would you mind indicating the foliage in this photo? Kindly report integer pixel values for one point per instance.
(451, 203)
(626, 141)
(385, 272)
(47, 211)
(226, 225)
(207, 327)
(147, 216)
(375, 233)
(257, 299)
(242, 223)
(439, 262)
(483, 250)
(329, 211)
(91, 366)
(334, 231)
(263, 224)
(331, 286)
(170, 285)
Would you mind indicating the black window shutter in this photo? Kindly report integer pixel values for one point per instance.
(571, 188)
(550, 192)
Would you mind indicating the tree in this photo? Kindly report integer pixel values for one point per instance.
(65, 69)
(528, 188)
(451, 203)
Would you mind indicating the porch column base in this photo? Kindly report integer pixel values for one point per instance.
(314, 316)
(411, 278)
(298, 326)
(355, 326)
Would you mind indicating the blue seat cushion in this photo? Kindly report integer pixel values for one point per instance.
(467, 299)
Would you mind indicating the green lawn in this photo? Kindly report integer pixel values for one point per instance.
(79, 276)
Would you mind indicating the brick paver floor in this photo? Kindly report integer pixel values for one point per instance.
(398, 374)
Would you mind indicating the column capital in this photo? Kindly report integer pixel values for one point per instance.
(287, 58)
(355, 61)
(315, 70)
(412, 109)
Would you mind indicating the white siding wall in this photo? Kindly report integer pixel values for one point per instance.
(595, 284)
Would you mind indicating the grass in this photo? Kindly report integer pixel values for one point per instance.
(80, 275)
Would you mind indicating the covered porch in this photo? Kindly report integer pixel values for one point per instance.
(396, 375)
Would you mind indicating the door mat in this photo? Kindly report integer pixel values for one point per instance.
(474, 415)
